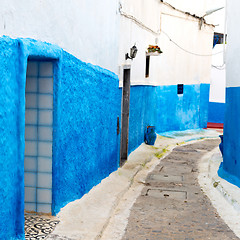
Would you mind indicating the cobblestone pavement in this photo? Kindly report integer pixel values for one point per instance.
(172, 205)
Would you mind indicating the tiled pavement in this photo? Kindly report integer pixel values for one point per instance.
(172, 204)
(38, 227)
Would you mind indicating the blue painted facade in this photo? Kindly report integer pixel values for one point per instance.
(87, 102)
(11, 162)
(163, 108)
(230, 168)
(216, 112)
(86, 141)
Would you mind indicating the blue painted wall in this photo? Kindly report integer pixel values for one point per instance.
(87, 102)
(86, 142)
(204, 101)
(163, 108)
(216, 112)
(11, 162)
(230, 168)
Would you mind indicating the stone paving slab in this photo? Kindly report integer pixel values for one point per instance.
(186, 215)
(103, 212)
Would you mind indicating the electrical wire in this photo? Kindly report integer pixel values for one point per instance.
(222, 67)
(141, 24)
(195, 54)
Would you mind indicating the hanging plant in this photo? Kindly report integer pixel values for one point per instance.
(152, 49)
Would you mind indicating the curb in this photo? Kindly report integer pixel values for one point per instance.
(164, 152)
(229, 191)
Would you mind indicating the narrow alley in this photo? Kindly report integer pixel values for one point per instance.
(119, 120)
(156, 195)
(172, 205)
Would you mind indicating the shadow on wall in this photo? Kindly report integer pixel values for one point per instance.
(216, 112)
(230, 168)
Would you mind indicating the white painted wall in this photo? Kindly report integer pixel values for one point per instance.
(218, 76)
(88, 28)
(218, 73)
(192, 6)
(174, 65)
(200, 7)
(217, 18)
(233, 51)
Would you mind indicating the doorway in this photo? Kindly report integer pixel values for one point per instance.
(125, 115)
(38, 137)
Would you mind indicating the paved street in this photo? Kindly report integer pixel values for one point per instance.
(172, 204)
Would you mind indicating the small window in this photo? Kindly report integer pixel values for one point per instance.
(180, 89)
(219, 38)
(147, 66)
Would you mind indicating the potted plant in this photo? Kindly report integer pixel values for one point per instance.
(154, 49)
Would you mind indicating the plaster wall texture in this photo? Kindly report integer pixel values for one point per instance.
(85, 140)
(231, 143)
(218, 76)
(11, 162)
(217, 94)
(154, 100)
(217, 18)
(163, 108)
(233, 51)
(191, 6)
(216, 112)
(218, 85)
(216, 105)
(55, 20)
(87, 98)
(83, 104)
(174, 65)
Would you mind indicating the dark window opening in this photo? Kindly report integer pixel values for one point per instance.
(218, 38)
(180, 89)
(147, 66)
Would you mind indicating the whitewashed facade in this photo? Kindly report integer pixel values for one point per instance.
(86, 29)
(174, 65)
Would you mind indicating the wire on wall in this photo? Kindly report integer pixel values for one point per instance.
(141, 24)
(196, 54)
(222, 67)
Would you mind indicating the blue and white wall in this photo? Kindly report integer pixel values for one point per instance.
(216, 108)
(86, 100)
(85, 140)
(230, 168)
(86, 97)
(154, 100)
(82, 28)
